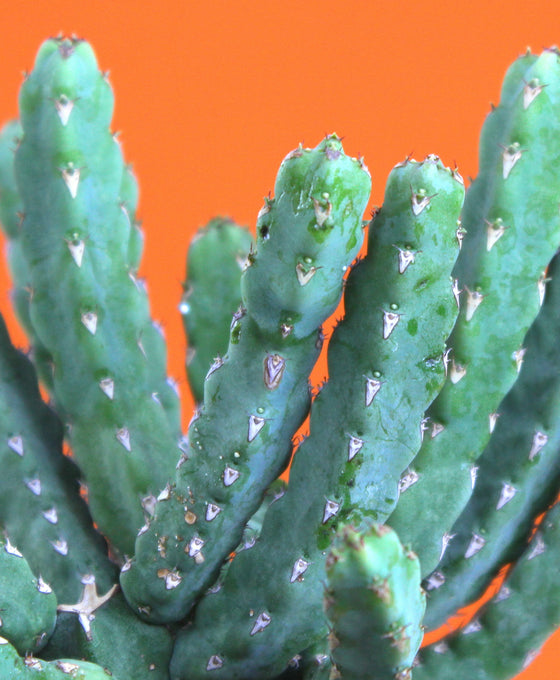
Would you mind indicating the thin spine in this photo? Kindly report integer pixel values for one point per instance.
(216, 258)
(87, 308)
(374, 603)
(499, 297)
(507, 635)
(257, 396)
(361, 431)
(43, 513)
(518, 473)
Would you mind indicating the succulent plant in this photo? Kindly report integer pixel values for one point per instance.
(431, 458)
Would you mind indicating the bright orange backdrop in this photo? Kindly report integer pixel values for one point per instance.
(212, 95)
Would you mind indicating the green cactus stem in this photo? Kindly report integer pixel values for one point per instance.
(509, 633)
(518, 473)
(45, 517)
(443, 376)
(13, 667)
(216, 258)
(257, 396)
(10, 204)
(11, 211)
(374, 604)
(364, 430)
(253, 528)
(27, 602)
(512, 226)
(87, 307)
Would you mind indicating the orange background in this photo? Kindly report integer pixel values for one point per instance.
(211, 96)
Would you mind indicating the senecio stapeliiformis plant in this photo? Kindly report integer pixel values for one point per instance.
(432, 456)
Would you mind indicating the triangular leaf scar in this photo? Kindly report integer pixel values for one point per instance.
(256, 424)
(76, 247)
(531, 91)
(89, 320)
(71, 177)
(510, 156)
(16, 444)
(64, 107)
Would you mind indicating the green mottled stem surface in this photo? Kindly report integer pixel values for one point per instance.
(512, 226)
(518, 473)
(508, 634)
(364, 430)
(374, 604)
(27, 603)
(11, 211)
(257, 396)
(13, 667)
(43, 513)
(212, 294)
(87, 308)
